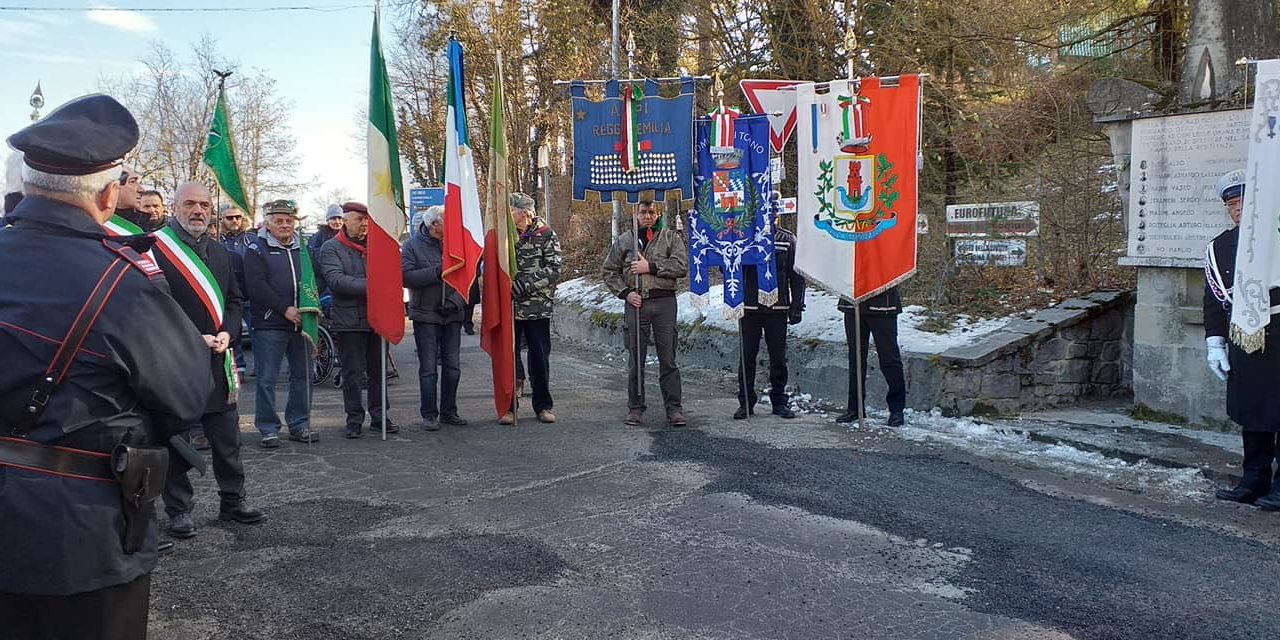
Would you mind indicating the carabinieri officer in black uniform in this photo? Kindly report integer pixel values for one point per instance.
(85, 390)
(1252, 378)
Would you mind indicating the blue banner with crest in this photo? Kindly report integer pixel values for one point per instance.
(731, 225)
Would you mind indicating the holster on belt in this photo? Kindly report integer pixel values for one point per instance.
(141, 474)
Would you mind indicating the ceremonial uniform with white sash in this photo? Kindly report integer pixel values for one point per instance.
(203, 281)
(1252, 398)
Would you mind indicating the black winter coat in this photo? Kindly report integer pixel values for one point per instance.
(272, 275)
(139, 371)
(430, 299)
(791, 285)
(1252, 401)
(344, 271)
(219, 263)
(885, 303)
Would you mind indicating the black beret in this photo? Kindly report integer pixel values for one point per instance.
(89, 134)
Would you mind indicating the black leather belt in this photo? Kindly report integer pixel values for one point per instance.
(59, 461)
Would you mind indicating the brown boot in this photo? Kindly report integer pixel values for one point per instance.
(507, 418)
(635, 417)
(676, 419)
(545, 416)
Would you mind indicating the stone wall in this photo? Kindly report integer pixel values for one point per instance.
(1170, 374)
(1078, 349)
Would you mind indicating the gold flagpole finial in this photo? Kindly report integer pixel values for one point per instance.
(719, 87)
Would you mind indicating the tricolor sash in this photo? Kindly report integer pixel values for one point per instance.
(196, 274)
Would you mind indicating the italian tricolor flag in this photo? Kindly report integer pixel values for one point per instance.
(497, 329)
(463, 223)
(386, 203)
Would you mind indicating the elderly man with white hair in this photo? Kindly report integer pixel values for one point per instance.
(436, 311)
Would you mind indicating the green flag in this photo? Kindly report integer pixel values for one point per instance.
(220, 154)
(308, 296)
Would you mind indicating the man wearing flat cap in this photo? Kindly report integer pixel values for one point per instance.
(1252, 401)
(277, 273)
(76, 552)
(342, 263)
(533, 291)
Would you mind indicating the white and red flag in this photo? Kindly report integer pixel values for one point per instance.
(386, 204)
(463, 219)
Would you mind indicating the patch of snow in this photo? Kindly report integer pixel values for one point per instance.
(821, 319)
(1007, 442)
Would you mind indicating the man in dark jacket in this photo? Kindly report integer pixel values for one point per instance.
(274, 279)
(772, 321)
(220, 327)
(342, 261)
(333, 224)
(878, 316)
(64, 570)
(127, 207)
(236, 238)
(151, 203)
(436, 311)
(1252, 401)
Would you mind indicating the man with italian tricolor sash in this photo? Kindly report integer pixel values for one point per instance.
(202, 280)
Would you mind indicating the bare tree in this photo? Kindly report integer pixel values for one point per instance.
(173, 100)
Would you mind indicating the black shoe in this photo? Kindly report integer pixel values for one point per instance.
(453, 420)
(896, 420)
(240, 513)
(353, 433)
(306, 435)
(847, 417)
(469, 329)
(1242, 494)
(182, 526)
(1269, 502)
(784, 412)
(741, 413)
(376, 426)
(164, 546)
(431, 425)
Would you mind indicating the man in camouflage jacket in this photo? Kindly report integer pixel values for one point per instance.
(532, 296)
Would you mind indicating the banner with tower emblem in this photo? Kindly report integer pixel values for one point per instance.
(858, 153)
(632, 143)
(730, 226)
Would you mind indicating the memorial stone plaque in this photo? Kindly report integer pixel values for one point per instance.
(1173, 209)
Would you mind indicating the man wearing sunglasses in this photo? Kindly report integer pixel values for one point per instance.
(237, 239)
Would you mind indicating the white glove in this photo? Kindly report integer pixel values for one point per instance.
(1217, 356)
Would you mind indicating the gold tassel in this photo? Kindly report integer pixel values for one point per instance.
(1249, 342)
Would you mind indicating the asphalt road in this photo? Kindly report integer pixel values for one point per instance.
(727, 529)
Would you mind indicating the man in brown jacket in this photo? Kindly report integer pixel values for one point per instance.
(642, 268)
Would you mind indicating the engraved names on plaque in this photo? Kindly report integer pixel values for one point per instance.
(1173, 208)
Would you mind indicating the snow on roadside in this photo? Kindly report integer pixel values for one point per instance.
(1005, 441)
(822, 321)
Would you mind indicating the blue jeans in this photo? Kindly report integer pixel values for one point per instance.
(438, 349)
(270, 346)
(247, 337)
